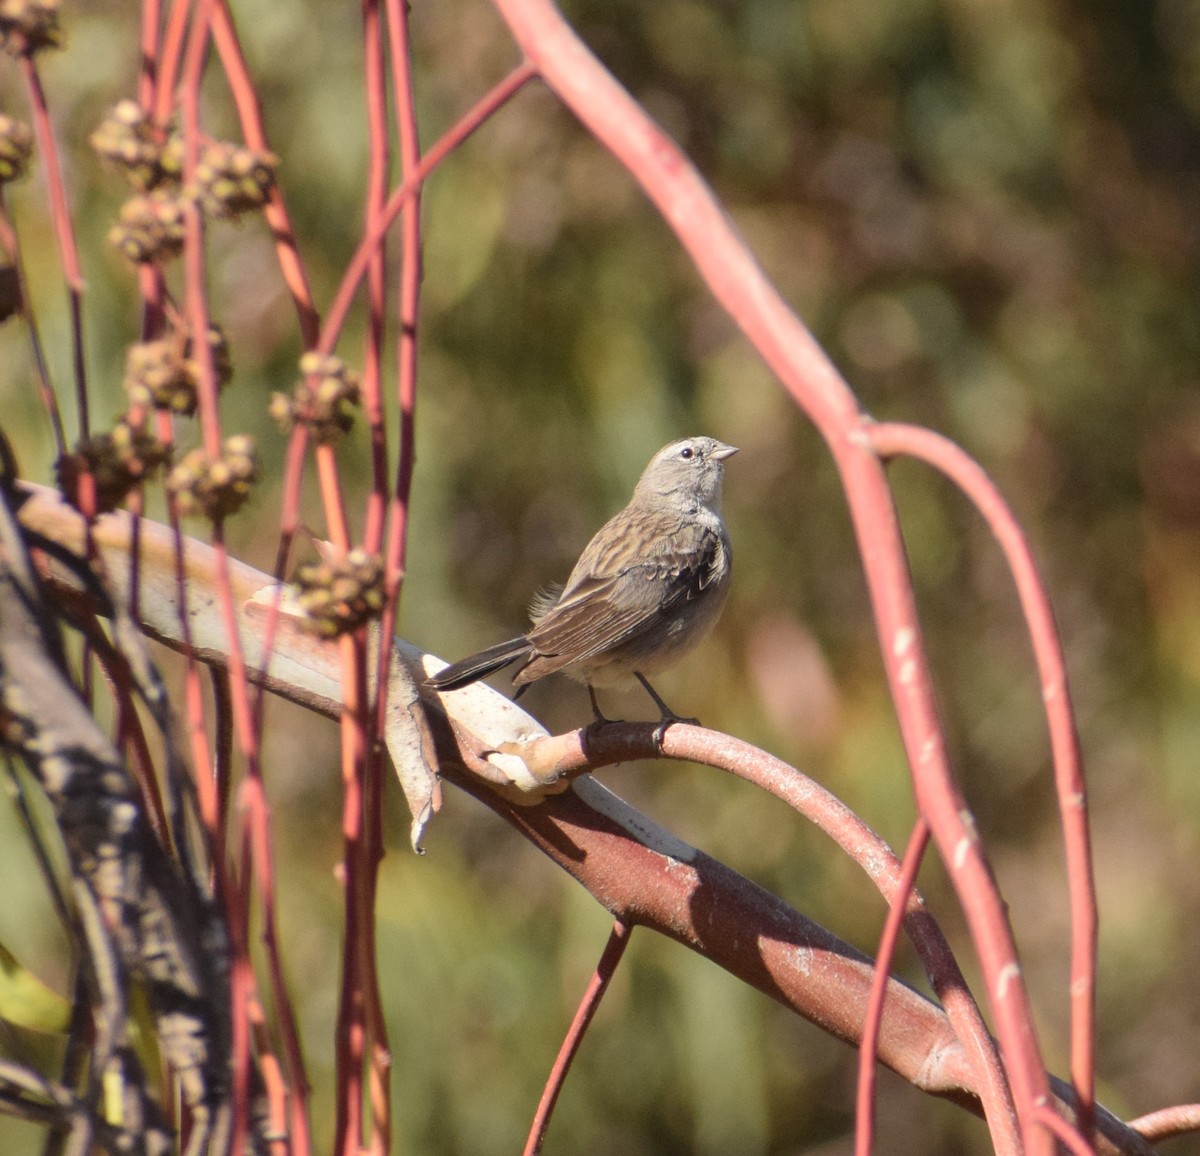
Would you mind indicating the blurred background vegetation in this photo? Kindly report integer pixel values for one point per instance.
(989, 213)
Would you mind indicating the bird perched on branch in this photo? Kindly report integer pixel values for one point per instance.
(648, 587)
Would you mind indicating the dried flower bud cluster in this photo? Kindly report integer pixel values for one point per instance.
(324, 401)
(215, 488)
(231, 180)
(16, 147)
(150, 227)
(127, 137)
(27, 26)
(164, 374)
(340, 595)
(117, 461)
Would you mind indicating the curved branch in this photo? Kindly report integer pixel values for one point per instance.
(642, 874)
(637, 870)
(1167, 1123)
(892, 439)
(722, 259)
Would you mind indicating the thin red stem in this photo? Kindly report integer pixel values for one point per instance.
(150, 277)
(1177, 1120)
(606, 968)
(130, 734)
(1068, 1136)
(149, 47)
(198, 317)
(351, 1025)
(336, 525)
(258, 824)
(170, 62)
(723, 260)
(467, 124)
(892, 439)
(64, 230)
(410, 290)
(377, 173)
(245, 97)
(41, 370)
(194, 57)
(910, 865)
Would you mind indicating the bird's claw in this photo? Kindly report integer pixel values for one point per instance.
(660, 731)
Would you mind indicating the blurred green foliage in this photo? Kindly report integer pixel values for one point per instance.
(989, 213)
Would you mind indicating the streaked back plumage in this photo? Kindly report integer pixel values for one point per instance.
(647, 587)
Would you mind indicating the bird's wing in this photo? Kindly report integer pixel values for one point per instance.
(599, 612)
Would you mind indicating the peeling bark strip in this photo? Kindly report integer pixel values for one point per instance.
(161, 930)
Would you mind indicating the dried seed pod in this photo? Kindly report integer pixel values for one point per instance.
(27, 26)
(150, 227)
(324, 401)
(127, 137)
(215, 488)
(338, 595)
(164, 374)
(117, 460)
(231, 180)
(16, 147)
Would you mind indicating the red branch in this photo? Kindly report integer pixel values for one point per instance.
(287, 252)
(611, 958)
(41, 370)
(864, 1117)
(467, 124)
(587, 749)
(891, 440)
(739, 284)
(64, 229)
(1177, 1120)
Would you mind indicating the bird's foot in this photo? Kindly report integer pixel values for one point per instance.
(669, 719)
(668, 715)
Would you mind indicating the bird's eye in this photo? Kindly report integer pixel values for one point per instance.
(687, 453)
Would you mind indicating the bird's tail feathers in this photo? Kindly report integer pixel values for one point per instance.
(477, 666)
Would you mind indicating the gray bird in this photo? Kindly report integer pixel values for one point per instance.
(648, 587)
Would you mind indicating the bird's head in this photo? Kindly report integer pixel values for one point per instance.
(690, 469)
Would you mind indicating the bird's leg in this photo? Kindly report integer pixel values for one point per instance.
(601, 718)
(668, 715)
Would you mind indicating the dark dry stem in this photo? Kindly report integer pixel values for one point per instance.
(140, 913)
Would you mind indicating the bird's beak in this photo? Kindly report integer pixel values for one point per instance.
(723, 451)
